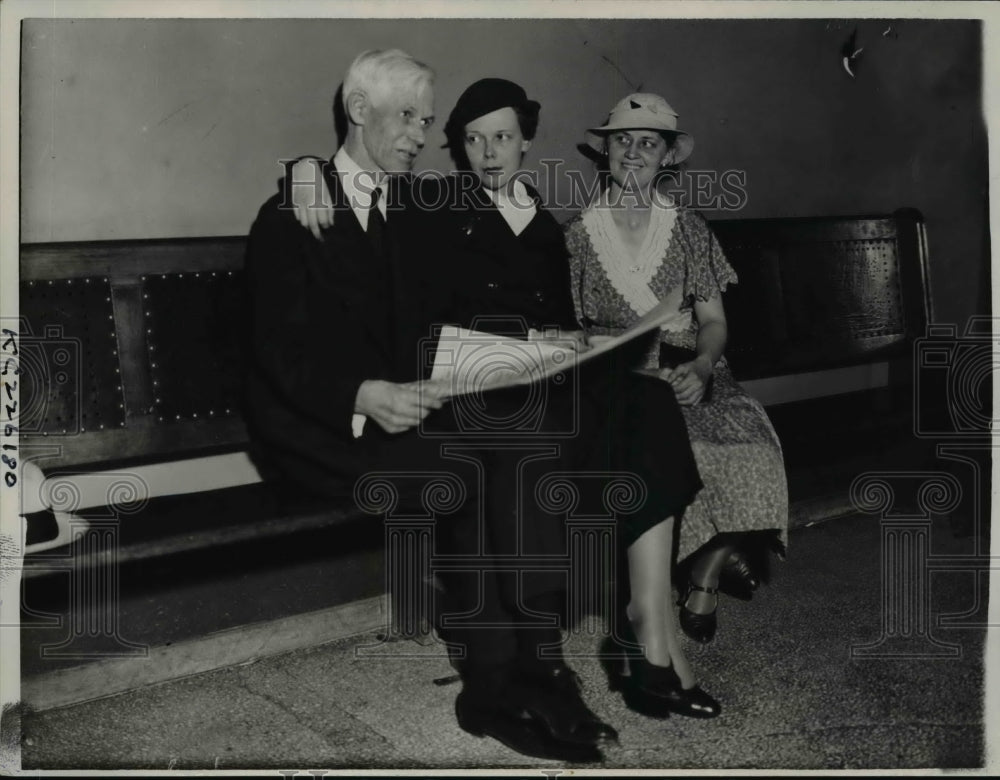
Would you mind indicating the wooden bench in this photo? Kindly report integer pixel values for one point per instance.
(822, 330)
(131, 383)
(133, 351)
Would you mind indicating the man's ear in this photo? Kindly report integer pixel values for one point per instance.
(525, 145)
(357, 107)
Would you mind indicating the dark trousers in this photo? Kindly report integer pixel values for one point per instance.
(504, 593)
(495, 447)
(504, 589)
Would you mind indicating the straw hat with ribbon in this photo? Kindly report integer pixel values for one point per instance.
(643, 111)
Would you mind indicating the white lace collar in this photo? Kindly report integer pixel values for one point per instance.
(630, 277)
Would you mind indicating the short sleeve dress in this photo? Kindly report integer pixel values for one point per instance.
(737, 451)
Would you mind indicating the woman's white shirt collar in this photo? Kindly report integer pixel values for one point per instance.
(517, 207)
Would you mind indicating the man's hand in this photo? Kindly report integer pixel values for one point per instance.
(689, 380)
(310, 196)
(397, 407)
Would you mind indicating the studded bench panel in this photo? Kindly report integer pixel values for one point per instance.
(195, 324)
(70, 379)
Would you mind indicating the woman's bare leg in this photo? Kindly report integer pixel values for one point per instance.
(650, 607)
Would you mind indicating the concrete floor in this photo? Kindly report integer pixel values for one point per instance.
(796, 692)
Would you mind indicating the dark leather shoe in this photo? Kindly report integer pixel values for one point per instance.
(653, 691)
(700, 627)
(576, 721)
(656, 691)
(556, 674)
(737, 579)
(515, 725)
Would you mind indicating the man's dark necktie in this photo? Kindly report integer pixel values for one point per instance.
(376, 225)
(378, 236)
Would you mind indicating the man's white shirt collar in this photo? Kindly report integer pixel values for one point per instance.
(358, 186)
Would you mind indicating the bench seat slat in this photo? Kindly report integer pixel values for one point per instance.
(143, 441)
(178, 524)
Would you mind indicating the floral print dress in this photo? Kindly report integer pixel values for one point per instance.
(736, 449)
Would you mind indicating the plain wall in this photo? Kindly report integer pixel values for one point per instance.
(169, 128)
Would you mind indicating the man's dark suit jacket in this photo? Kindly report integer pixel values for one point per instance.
(325, 317)
(328, 315)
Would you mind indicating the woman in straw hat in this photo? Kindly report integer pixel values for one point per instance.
(632, 249)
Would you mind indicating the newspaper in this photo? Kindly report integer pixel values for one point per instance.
(470, 361)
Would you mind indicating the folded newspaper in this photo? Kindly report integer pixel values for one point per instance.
(469, 361)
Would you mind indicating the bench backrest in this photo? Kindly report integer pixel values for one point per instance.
(820, 293)
(132, 351)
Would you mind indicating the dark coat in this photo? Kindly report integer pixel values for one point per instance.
(498, 275)
(325, 316)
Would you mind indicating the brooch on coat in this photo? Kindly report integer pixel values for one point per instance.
(470, 224)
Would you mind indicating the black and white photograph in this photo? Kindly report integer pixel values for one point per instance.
(529, 388)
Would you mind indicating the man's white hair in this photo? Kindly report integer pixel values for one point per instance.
(377, 72)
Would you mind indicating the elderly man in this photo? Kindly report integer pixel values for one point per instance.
(335, 393)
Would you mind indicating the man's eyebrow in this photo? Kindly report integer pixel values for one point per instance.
(416, 112)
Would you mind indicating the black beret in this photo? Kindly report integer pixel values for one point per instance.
(484, 97)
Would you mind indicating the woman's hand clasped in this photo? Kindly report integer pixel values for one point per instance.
(689, 380)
